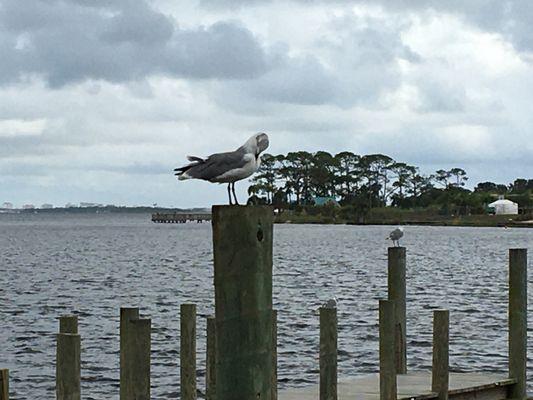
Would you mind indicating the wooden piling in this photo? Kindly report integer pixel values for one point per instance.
(242, 243)
(140, 378)
(135, 348)
(398, 292)
(210, 362)
(68, 366)
(188, 351)
(68, 324)
(4, 384)
(441, 340)
(328, 353)
(274, 384)
(518, 321)
(127, 340)
(387, 346)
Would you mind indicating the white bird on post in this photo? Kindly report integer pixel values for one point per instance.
(395, 236)
(227, 167)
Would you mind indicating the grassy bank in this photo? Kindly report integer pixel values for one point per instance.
(395, 216)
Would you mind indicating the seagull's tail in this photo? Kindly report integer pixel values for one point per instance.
(195, 159)
(181, 172)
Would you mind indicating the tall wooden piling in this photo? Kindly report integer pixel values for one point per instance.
(387, 346)
(328, 353)
(398, 292)
(4, 384)
(188, 351)
(274, 384)
(68, 366)
(140, 379)
(210, 361)
(68, 324)
(242, 243)
(135, 347)
(518, 321)
(126, 353)
(441, 340)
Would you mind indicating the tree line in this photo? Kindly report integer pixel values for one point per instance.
(368, 181)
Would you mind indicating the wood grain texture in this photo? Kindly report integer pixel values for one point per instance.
(397, 287)
(518, 321)
(68, 366)
(242, 243)
(414, 385)
(188, 351)
(441, 339)
(387, 350)
(328, 353)
(4, 384)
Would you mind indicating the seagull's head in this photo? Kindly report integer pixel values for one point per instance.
(261, 140)
(256, 144)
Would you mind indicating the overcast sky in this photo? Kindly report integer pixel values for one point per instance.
(101, 99)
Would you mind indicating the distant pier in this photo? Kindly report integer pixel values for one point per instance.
(179, 218)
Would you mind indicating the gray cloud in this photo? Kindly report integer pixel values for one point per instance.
(67, 42)
(357, 69)
(511, 18)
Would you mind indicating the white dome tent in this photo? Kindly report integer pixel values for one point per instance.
(503, 206)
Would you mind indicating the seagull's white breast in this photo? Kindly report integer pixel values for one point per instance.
(237, 174)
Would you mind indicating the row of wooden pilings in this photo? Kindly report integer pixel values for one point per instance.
(241, 356)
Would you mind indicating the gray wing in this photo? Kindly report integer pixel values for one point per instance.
(216, 165)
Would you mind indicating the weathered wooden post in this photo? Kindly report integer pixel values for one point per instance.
(126, 351)
(274, 384)
(135, 347)
(387, 346)
(68, 324)
(68, 366)
(441, 340)
(188, 351)
(242, 243)
(518, 321)
(398, 293)
(328, 353)
(4, 384)
(210, 361)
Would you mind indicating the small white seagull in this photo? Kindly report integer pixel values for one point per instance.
(395, 236)
(227, 167)
(331, 303)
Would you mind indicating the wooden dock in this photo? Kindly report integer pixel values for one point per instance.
(179, 218)
(413, 386)
(241, 349)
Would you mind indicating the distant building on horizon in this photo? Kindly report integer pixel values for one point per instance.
(70, 205)
(28, 207)
(47, 206)
(7, 205)
(88, 205)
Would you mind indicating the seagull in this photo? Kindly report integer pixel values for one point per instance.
(227, 167)
(331, 303)
(395, 236)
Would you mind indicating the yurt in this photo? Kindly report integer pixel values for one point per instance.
(504, 207)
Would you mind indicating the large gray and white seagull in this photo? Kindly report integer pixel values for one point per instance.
(227, 167)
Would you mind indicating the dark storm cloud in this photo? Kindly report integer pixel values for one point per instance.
(67, 42)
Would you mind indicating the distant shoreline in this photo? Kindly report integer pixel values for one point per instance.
(482, 221)
(494, 221)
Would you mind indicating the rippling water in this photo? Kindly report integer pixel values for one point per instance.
(93, 265)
